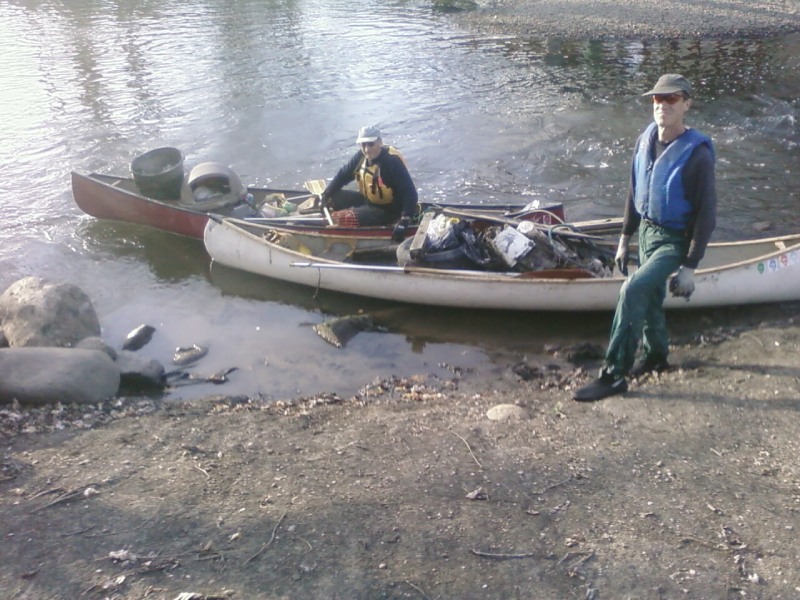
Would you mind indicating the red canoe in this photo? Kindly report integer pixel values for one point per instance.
(119, 199)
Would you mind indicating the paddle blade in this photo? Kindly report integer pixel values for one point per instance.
(315, 186)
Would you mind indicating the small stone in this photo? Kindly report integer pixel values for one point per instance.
(762, 226)
(504, 412)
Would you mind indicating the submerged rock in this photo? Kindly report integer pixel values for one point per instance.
(137, 372)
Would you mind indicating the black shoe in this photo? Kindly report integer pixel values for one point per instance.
(649, 364)
(603, 387)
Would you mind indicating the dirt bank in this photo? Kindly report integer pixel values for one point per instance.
(687, 487)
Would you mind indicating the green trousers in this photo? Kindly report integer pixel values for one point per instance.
(640, 310)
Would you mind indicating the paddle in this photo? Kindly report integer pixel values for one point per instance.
(543, 274)
(560, 229)
(316, 187)
(301, 197)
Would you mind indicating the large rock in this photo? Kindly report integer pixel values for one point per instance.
(37, 376)
(34, 312)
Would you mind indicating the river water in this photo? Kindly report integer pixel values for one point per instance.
(278, 89)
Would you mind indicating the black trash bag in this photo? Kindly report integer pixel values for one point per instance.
(454, 245)
(442, 234)
(475, 249)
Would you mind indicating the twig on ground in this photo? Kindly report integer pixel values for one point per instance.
(211, 556)
(555, 485)
(271, 538)
(66, 497)
(423, 594)
(45, 492)
(142, 524)
(570, 555)
(84, 530)
(502, 556)
(578, 563)
(203, 471)
(307, 543)
(475, 458)
(751, 336)
(687, 537)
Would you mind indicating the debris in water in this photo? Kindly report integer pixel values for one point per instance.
(179, 377)
(341, 330)
(138, 337)
(189, 354)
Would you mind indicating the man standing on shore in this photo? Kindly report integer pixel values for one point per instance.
(673, 196)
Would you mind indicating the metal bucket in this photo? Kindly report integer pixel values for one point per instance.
(159, 173)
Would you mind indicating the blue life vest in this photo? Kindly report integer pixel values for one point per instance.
(658, 186)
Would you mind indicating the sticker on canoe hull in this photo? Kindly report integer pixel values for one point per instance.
(778, 262)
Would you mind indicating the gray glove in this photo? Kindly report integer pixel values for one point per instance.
(621, 258)
(682, 284)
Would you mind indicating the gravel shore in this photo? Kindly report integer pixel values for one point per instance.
(634, 19)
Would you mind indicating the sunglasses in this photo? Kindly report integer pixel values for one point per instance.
(668, 98)
(368, 144)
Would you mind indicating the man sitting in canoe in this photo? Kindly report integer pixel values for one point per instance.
(386, 193)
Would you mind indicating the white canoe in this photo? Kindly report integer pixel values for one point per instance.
(742, 272)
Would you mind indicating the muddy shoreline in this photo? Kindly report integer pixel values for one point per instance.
(688, 486)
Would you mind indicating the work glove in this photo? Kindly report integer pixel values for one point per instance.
(682, 285)
(621, 258)
(399, 233)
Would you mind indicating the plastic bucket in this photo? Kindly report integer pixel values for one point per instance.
(159, 173)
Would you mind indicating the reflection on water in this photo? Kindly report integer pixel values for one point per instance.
(493, 331)
(171, 258)
(622, 69)
(277, 90)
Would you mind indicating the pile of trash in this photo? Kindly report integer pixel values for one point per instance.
(457, 243)
(273, 205)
